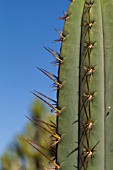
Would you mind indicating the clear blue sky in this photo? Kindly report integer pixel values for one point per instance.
(25, 27)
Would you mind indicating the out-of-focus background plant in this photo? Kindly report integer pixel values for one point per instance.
(20, 155)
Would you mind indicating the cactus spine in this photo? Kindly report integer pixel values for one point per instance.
(84, 139)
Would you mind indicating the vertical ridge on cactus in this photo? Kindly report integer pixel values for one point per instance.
(68, 97)
(107, 8)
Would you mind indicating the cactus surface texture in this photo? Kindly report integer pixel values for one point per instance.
(84, 109)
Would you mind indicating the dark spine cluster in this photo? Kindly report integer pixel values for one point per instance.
(86, 122)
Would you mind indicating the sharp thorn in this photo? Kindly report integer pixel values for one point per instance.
(46, 96)
(65, 17)
(47, 124)
(50, 76)
(55, 135)
(54, 163)
(50, 105)
(55, 54)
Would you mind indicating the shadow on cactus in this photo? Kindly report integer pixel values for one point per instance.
(84, 121)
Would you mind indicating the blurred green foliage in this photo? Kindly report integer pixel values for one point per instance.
(22, 156)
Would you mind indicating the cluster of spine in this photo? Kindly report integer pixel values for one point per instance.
(51, 127)
(87, 96)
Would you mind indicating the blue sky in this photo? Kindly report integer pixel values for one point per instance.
(25, 27)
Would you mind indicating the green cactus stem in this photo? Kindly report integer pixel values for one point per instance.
(84, 133)
(84, 94)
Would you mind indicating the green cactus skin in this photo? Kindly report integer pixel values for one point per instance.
(108, 62)
(68, 94)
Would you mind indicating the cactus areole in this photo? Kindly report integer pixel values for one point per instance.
(84, 107)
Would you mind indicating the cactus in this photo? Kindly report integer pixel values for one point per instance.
(84, 139)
